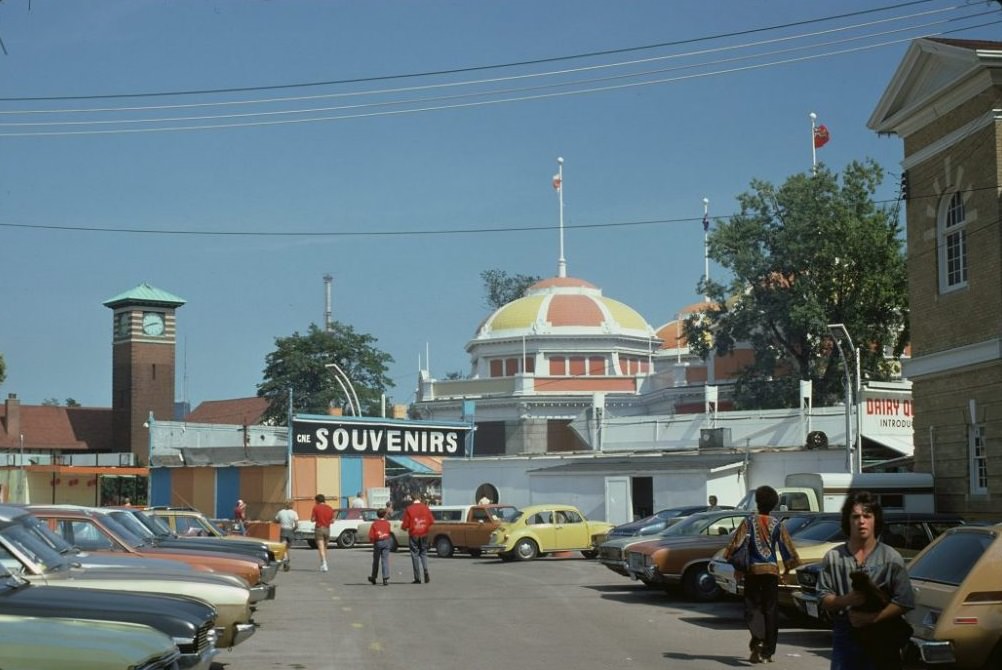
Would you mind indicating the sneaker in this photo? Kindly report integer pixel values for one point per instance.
(323, 567)
(755, 657)
(386, 581)
(426, 578)
(416, 581)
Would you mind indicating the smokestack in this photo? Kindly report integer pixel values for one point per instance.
(13, 406)
(328, 315)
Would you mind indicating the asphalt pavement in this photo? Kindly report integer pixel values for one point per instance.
(548, 613)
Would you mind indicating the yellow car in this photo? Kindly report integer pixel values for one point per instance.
(186, 522)
(542, 529)
(958, 604)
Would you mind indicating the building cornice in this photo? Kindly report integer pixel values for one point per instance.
(950, 360)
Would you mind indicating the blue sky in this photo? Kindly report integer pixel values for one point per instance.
(377, 178)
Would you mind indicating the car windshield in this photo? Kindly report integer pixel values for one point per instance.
(693, 525)
(123, 533)
(19, 538)
(48, 536)
(506, 513)
(951, 558)
(150, 522)
(132, 523)
(821, 531)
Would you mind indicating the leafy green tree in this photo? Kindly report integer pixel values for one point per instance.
(816, 251)
(298, 363)
(71, 402)
(50, 402)
(501, 288)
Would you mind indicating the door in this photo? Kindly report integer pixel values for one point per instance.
(618, 504)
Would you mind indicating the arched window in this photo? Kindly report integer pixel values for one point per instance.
(951, 240)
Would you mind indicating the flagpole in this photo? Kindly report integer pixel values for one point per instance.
(706, 248)
(814, 148)
(561, 263)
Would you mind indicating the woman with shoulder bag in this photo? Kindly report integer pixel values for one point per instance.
(761, 535)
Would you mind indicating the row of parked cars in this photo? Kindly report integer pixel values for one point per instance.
(954, 569)
(120, 588)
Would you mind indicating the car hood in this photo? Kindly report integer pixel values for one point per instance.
(129, 561)
(216, 594)
(638, 528)
(57, 643)
(176, 616)
(681, 541)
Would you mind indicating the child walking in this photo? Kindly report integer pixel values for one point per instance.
(381, 537)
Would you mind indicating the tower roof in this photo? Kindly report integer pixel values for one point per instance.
(144, 294)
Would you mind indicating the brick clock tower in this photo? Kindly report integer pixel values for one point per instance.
(142, 381)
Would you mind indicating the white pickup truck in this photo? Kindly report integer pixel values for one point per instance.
(344, 529)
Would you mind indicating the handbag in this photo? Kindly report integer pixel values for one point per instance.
(739, 558)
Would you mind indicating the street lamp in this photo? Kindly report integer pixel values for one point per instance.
(839, 333)
(349, 389)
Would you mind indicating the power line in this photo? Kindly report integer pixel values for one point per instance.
(463, 70)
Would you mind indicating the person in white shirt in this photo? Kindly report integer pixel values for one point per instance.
(358, 500)
(287, 520)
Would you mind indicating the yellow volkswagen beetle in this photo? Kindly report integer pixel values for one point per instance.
(543, 529)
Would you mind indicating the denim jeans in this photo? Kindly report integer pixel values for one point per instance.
(381, 555)
(419, 554)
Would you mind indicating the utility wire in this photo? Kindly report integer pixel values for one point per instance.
(535, 75)
(462, 70)
(343, 117)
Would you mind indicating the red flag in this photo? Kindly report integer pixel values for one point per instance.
(821, 136)
(557, 181)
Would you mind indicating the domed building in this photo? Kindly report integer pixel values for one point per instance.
(559, 353)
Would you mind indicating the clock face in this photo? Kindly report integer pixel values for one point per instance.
(153, 323)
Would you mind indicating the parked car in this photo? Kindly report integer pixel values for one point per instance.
(35, 560)
(683, 557)
(908, 533)
(188, 622)
(344, 529)
(158, 534)
(657, 522)
(466, 527)
(957, 618)
(187, 521)
(543, 529)
(94, 530)
(36, 643)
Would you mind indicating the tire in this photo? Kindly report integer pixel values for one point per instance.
(699, 585)
(507, 557)
(443, 547)
(475, 553)
(312, 543)
(346, 540)
(526, 549)
(589, 554)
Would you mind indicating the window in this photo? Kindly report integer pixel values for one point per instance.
(558, 366)
(539, 518)
(497, 368)
(978, 460)
(951, 229)
(951, 559)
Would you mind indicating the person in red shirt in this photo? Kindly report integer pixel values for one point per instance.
(322, 517)
(240, 517)
(417, 521)
(381, 537)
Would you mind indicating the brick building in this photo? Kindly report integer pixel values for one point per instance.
(945, 102)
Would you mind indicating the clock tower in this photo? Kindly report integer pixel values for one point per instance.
(142, 380)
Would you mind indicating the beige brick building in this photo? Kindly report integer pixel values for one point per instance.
(945, 102)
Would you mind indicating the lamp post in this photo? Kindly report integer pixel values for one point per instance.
(839, 333)
(349, 389)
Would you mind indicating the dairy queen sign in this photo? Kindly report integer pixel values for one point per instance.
(339, 436)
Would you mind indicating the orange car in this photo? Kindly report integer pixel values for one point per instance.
(94, 530)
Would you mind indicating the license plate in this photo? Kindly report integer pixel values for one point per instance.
(812, 609)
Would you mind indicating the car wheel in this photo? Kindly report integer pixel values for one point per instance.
(526, 550)
(346, 540)
(699, 585)
(589, 554)
(443, 547)
(506, 556)
(312, 543)
(475, 553)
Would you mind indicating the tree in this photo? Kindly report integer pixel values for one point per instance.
(3, 369)
(501, 288)
(811, 253)
(54, 402)
(298, 363)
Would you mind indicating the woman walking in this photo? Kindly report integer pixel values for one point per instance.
(764, 535)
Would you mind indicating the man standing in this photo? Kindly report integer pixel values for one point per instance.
(240, 517)
(322, 517)
(357, 501)
(417, 521)
(712, 504)
(865, 635)
(287, 520)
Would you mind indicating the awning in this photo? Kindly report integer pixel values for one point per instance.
(903, 445)
(414, 466)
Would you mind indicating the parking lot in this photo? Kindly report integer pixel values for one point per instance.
(553, 612)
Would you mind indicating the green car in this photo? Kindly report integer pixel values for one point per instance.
(31, 643)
